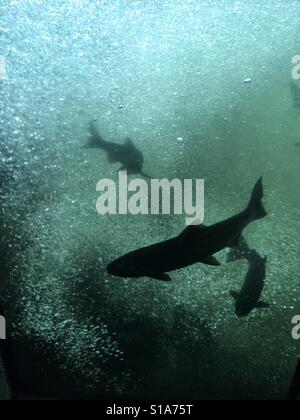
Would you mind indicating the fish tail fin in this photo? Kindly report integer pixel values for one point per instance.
(95, 141)
(255, 209)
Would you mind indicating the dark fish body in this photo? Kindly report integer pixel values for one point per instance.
(127, 154)
(249, 297)
(197, 244)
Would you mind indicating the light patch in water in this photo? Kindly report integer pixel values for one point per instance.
(2, 68)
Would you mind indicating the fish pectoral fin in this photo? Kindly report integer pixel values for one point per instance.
(161, 277)
(235, 294)
(262, 305)
(210, 261)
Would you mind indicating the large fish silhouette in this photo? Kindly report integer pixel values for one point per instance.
(196, 244)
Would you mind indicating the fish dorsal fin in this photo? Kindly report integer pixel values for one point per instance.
(128, 142)
(192, 230)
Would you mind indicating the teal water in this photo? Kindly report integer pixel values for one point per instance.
(169, 74)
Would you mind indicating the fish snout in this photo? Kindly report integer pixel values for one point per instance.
(118, 269)
(112, 269)
(134, 168)
(242, 312)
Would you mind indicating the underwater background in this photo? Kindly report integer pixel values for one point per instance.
(171, 76)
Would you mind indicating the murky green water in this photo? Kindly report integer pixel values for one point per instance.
(170, 75)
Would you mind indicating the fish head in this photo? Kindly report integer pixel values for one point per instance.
(135, 161)
(242, 311)
(135, 165)
(133, 168)
(123, 267)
